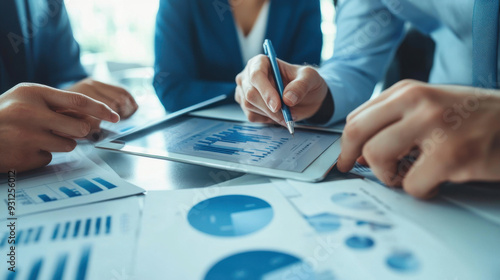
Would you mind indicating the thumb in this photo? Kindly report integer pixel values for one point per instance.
(307, 79)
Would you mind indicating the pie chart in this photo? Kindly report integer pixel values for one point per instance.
(403, 261)
(359, 242)
(230, 215)
(254, 265)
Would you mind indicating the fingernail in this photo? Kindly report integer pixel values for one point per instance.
(273, 105)
(115, 117)
(292, 96)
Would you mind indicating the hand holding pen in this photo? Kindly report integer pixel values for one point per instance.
(269, 51)
(304, 91)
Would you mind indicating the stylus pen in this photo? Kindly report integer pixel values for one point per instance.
(269, 51)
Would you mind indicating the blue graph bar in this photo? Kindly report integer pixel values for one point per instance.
(39, 234)
(11, 275)
(28, 236)
(97, 225)
(35, 270)
(56, 231)
(104, 183)
(87, 185)
(69, 192)
(77, 228)
(108, 224)
(82, 266)
(18, 237)
(66, 230)
(216, 149)
(87, 227)
(4, 239)
(61, 264)
(46, 198)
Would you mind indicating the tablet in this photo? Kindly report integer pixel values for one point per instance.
(236, 146)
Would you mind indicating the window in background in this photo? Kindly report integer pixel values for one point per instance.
(114, 30)
(121, 32)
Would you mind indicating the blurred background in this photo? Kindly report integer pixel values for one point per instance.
(119, 34)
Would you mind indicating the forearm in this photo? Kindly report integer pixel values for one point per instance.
(360, 57)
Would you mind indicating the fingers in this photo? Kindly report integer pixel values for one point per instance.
(385, 151)
(361, 160)
(306, 81)
(424, 177)
(253, 113)
(251, 101)
(67, 124)
(53, 143)
(257, 118)
(401, 86)
(79, 103)
(116, 97)
(260, 78)
(363, 127)
(36, 160)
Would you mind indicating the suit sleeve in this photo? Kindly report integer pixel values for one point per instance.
(60, 57)
(367, 37)
(176, 70)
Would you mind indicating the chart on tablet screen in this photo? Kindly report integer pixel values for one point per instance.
(264, 146)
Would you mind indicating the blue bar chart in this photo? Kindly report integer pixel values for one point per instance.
(82, 228)
(264, 146)
(230, 142)
(57, 271)
(72, 188)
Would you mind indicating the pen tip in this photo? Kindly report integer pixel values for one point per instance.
(290, 127)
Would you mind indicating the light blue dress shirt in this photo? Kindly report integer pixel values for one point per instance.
(369, 32)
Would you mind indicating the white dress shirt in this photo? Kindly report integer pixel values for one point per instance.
(251, 45)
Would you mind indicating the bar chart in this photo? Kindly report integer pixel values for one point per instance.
(63, 190)
(264, 146)
(41, 268)
(80, 228)
(230, 141)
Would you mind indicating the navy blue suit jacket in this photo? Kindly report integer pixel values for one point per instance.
(197, 48)
(37, 44)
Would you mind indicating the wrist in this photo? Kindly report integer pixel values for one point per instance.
(325, 111)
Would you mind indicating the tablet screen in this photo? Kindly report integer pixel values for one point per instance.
(264, 146)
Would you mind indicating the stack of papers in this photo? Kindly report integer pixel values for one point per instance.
(56, 230)
(288, 230)
(87, 242)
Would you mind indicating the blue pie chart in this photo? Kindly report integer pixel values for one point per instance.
(254, 265)
(230, 215)
(403, 261)
(359, 242)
